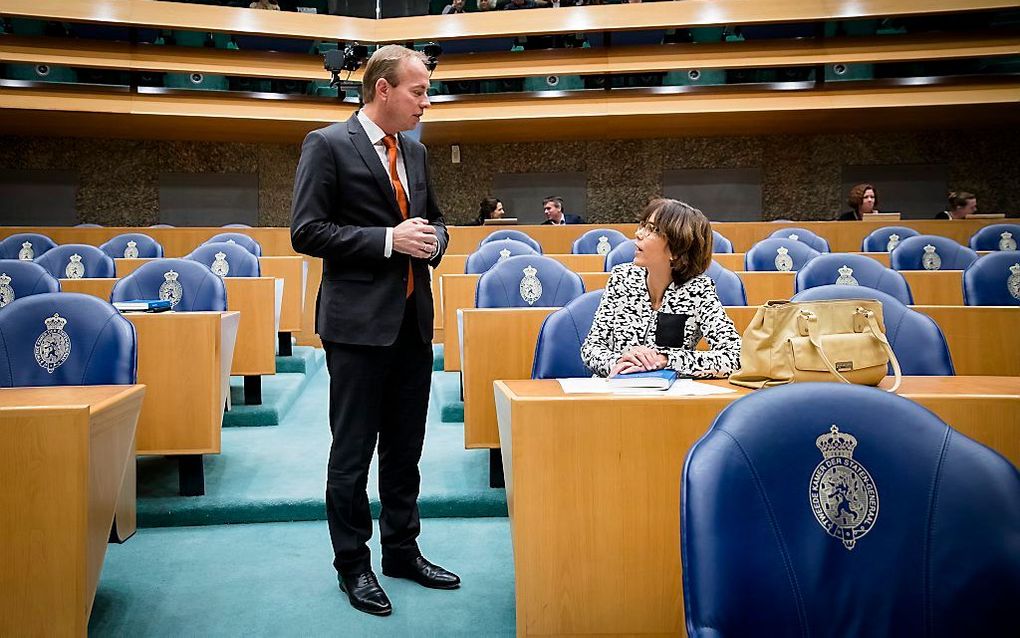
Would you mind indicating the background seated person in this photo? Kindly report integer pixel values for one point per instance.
(270, 5)
(518, 4)
(961, 204)
(655, 310)
(486, 5)
(862, 201)
(457, 6)
(554, 215)
(489, 208)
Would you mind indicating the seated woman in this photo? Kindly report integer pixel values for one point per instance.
(655, 311)
(489, 208)
(961, 204)
(862, 201)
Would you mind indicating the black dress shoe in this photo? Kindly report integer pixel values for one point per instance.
(422, 572)
(366, 594)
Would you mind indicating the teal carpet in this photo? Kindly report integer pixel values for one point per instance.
(278, 580)
(446, 395)
(279, 391)
(438, 356)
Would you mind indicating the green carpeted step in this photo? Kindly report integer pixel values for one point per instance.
(279, 391)
(446, 395)
(278, 580)
(304, 358)
(438, 360)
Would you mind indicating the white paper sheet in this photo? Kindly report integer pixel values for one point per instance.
(680, 388)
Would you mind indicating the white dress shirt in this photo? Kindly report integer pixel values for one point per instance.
(375, 136)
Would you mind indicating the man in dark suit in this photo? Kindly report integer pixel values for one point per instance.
(554, 215)
(363, 202)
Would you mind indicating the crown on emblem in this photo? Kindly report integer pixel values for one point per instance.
(603, 239)
(504, 254)
(75, 258)
(5, 279)
(836, 443)
(231, 241)
(929, 248)
(132, 244)
(530, 271)
(1006, 235)
(170, 275)
(221, 256)
(794, 236)
(56, 322)
(27, 244)
(846, 271)
(782, 250)
(1015, 269)
(894, 237)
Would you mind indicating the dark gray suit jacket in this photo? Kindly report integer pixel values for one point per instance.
(343, 202)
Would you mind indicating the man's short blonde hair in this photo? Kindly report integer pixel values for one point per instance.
(385, 63)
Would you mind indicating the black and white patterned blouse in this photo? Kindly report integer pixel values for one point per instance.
(625, 319)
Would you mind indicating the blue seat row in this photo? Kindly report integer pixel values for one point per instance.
(30, 246)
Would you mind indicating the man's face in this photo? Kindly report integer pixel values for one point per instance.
(483, 5)
(404, 104)
(458, 4)
(553, 212)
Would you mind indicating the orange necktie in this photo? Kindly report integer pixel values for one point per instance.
(390, 142)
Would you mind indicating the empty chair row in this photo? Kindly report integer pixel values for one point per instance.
(600, 241)
(989, 238)
(29, 246)
(920, 252)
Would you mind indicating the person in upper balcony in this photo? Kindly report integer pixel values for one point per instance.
(269, 5)
(457, 6)
(519, 4)
(862, 202)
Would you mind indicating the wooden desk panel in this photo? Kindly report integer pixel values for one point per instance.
(607, 523)
(96, 287)
(935, 287)
(983, 340)
(762, 286)
(450, 265)
(292, 271)
(66, 456)
(458, 292)
(308, 336)
(254, 298)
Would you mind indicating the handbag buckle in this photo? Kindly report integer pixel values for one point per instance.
(861, 318)
(803, 319)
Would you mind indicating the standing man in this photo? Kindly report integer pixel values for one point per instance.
(363, 202)
(554, 215)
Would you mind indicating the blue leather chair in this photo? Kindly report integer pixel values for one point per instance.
(12, 246)
(512, 234)
(527, 281)
(590, 242)
(558, 350)
(764, 254)
(728, 285)
(235, 226)
(227, 260)
(23, 279)
(991, 237)
(916, 339)
(65, 338)
(817, 242)
(189, 285)
(61, 262)
(993, 280)
(240, 239)
(488, 254)
(832, 510)
(162, 226)
(88, 225)
(878, 240)
(720, 244)
(145, 246)
(864, 271)
(910, 253)
(622, 254)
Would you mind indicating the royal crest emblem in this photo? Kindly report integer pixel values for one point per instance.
(794, 236)
(220, 265)
(894, 241)
(504, 255)
(846, 277)
(75, 269)
(1013, 283)
(531, 286)
(1006, 241)
(603, 247)
(231, 241)
(170, 290)
(783, 260)
(843, 495)
(6, 292)
(53, 346)
(131, 251)
(930, 259)
(26, 253)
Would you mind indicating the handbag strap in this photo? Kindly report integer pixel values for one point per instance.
(811, 319)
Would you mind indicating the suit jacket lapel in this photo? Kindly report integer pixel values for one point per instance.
(371, 159)
(414, 165)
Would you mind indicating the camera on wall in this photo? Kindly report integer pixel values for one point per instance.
(350, 58)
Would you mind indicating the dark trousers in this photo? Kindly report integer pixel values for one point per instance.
(376, 393)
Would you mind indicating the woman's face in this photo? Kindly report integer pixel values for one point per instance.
(967, 209)
(651, 249)
(868, 201)
(498, 212)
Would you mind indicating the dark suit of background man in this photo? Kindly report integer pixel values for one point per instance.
(363, 202)
(554, 215)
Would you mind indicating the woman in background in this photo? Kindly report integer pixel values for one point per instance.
(862, 201)
(655, 310)
(489, 208)
(961, 204)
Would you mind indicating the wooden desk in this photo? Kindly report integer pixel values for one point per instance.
(255, 352)
(600, 553)
(96, 287)
(68, 453)
(308, 336)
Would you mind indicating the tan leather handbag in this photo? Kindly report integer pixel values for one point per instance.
(835, 340)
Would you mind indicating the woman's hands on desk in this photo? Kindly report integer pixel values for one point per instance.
(415, 237)
(638, 359)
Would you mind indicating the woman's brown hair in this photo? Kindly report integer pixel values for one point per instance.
(688, 234)
(958, 199)
(857, 196)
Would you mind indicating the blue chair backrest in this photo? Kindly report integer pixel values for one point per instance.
(728, 285)
(527, 281)
(146, 247)
(235, 226)
(63, 262)
(765, 254)
(992, 237)
(88, 225)
(878, 241)
(558, 350)
(189, 285)
(592, 242)
(993, 280)
(240, 239)
(13, 246)
(622, 254)
(916, 339)
(847, 269)
(817, 242)
(65, 338)
(831, 510)
(227, 260)
(488, 254)
(23, 279)
(913, 253)
(720, 244)
(162, 226)
(512, 234)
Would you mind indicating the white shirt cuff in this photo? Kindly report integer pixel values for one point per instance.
(388, 245)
